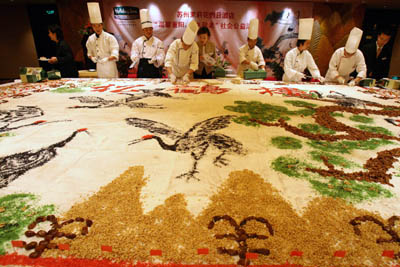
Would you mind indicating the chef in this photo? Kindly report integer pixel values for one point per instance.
(183, 55)
(102, 47)
(347, 59)
(298, 58)
(147, 52)
(250, 56)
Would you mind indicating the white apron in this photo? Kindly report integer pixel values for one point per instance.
(107, 69)
(345, 67)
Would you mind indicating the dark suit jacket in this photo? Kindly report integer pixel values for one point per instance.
(377, 68)
(66, 63)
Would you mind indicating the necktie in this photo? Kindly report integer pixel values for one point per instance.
(378, 51)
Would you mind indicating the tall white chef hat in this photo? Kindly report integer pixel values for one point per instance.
(145, 19)
(190, 32)
(94, 12)
(305, 29)
(354, 40)
(253, 29)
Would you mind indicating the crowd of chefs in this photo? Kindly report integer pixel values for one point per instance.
(186, 59)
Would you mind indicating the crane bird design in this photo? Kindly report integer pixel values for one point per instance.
(130, 101)
(9, 117)
(13, 166)
(196, 141)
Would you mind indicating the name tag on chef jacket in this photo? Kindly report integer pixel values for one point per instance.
(297, 62)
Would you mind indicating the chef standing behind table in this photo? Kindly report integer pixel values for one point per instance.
(250, 56)
(347, 59)
(103, 48)
(298, 58)
(183, 55)
(147, 52)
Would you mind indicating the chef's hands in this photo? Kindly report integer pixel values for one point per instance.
(152, 60)
(186, 78)
(321, 79)
(253, 65)
(354, 82)
(300, 76)
(103, 60)
(246, 62)
(172, 78)
(93, 59)
(53, 60)
(340, 80)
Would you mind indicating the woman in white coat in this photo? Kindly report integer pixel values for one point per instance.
(347, 59)
(103, 48)
(182, 58)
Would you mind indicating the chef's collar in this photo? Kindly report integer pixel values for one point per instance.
(98, 35)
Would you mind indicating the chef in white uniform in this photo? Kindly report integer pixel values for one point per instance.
(102, 47)
(147, 51)
(250, 56)
(298, 58)
(347, 59)
(183, 55)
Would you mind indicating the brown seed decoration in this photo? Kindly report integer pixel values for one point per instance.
(89, 222)
(32, 225)
(52, 246)
(40, 248)
(34, 255)
(70, 236)
(40, 219)
(79, 219)
(2, 209)
(2, 225)
(67, 222)
(52, 232)
(41, 233)
(30, 233)
(85, 230)
(51, 218)
(48, 238)
(43, 243)
(31, 245)
(59, 234)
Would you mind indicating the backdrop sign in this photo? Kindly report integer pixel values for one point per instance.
(126, 13)
(228, 22)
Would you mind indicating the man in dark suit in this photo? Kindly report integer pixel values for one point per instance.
(377, 56)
